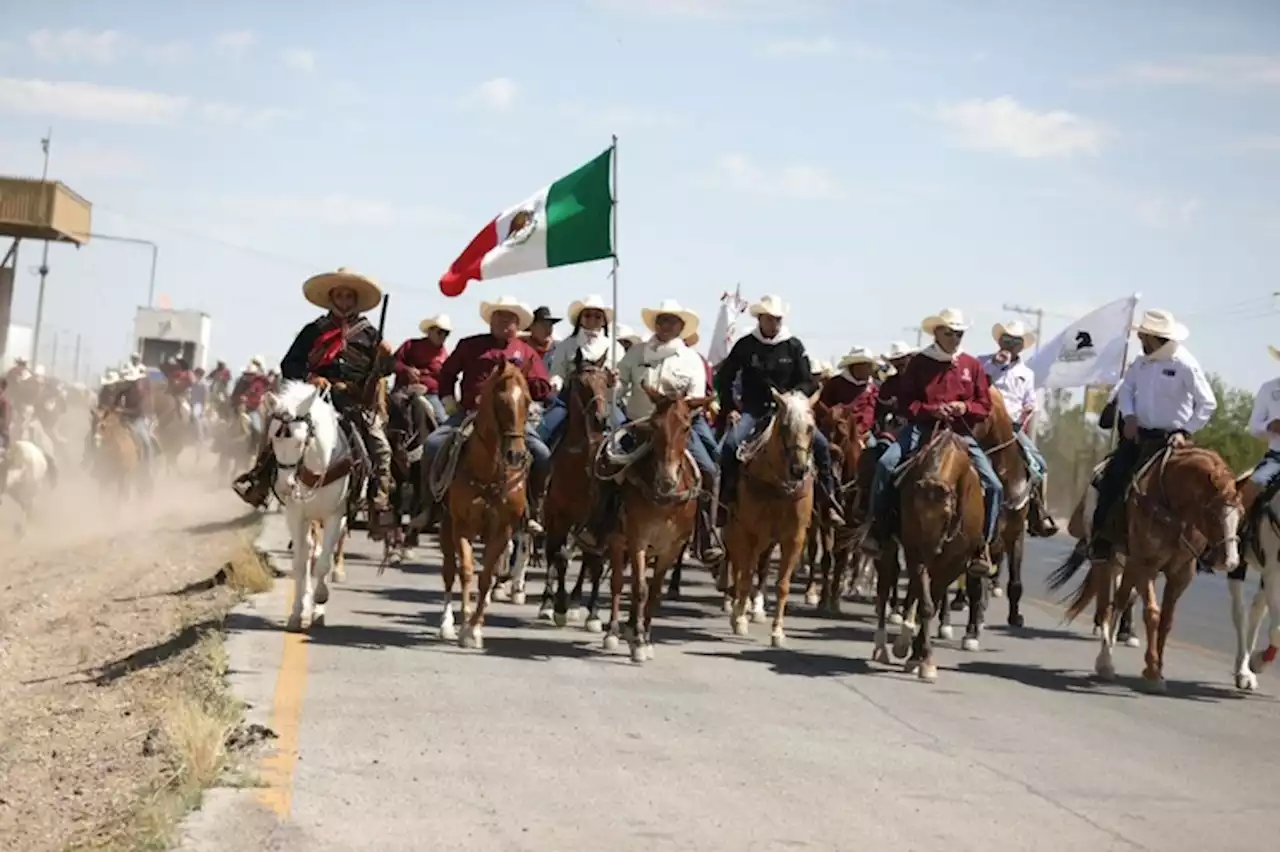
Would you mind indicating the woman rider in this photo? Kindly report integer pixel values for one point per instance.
(590, 318)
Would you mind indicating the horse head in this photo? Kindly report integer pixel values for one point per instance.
(670, 423)
(589, 394)
(840, 425)
(504, 408)
(297, 417)
(792, 440)
(1201, 490)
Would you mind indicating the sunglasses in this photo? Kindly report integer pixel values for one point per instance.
(950, 332)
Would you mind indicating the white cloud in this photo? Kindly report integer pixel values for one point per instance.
(90, 101)
(235, 44)
(299, 59)
(339, 209)
(1002, 125)
(76, 45)
(170, 52)
(1168, 212)
(1234, 71)
(611, 119)
(496, 94)
(791, 181)
(712, 10)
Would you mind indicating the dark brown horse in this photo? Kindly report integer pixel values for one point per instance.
(486, 497)
(572, 491)
(840, 425)
(659, 509)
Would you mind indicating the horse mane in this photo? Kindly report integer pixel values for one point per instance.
(1213, 469)
(795, 413)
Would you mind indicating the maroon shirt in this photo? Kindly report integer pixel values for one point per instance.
(840, 391)
(476, 357)
(927, 383)
(426, 357)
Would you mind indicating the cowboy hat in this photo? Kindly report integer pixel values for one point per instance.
(1275, 353)
(110, 377)
(254, 367)
(691, 339)
(592, 302)
(951, 318)
(771, 306)
(818, 367)
(319, 288)
(1014, 329)
(1161, 324)
(511, 305)
(440, 321)
(543, 314)
(627, 334)
(857, 355)
(257, 361)
(649, 316)
(898, 349)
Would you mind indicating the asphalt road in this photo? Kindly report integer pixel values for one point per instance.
(390, 739)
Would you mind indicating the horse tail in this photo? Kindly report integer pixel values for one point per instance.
(1063, 574)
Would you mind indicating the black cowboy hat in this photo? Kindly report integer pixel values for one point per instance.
(544, 313)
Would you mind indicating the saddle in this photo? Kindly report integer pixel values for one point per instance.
(445, 463)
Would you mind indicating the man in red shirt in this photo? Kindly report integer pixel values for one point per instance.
(941, 384)
(473, 360)
(852, 388)
(418, 363)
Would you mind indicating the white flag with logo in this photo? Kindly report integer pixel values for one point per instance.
(724, 335)
(1090, 351)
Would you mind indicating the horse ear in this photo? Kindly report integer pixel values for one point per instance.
(654, 396)
(696, 402)
(815, 397)
(777, 397)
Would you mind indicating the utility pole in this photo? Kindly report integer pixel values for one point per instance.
(1038, 313)
(919, 334)
(75, 363)
(44, 262)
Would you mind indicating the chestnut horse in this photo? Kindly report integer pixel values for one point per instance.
(940, 528)
(773, 506)
(659, 492)
(486, 498)
(117, 459)
(572, 492)
(1182, 506)
(840, 425)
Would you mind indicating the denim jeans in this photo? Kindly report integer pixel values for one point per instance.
(702, 446)
(733, 439)
(437, 407)
(1267, 469)
(539, 469)
(556, 416)
(908, 440)
(1036, 466)
(142, 434)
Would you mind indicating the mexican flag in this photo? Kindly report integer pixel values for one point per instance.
(569, 221)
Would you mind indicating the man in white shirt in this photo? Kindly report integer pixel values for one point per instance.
(1264, 424)
(1016, 382)
(1164, 399)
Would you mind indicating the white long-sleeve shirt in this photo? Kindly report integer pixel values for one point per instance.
(1266, 408)
(1016, 383)
(671, 368)
(1167, 390)
(593, 349)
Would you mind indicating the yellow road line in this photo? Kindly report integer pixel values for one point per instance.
(286, 715)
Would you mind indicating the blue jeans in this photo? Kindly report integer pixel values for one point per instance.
(734, 437)
(702, 445)
(255, 422)
(437, 407)
(1267, 469)
(908, 440)
(556, 416)
(142, 434)
(538, 470)
(1036, 466)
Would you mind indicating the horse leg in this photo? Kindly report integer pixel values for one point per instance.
(324, 562)
(1014, 551)
(1271, 590)
(595, 564)
(340, 553)
(474, 629)
(617, 576)
(927, 593)
(741, 563)
(787, 559)
(576, 595)
(519, 565)
(300, 531)
(886, 579)
(558, 561)
(1246, 625)
(1125, 634)
(673, 589)
(553, 553)
(467, 571)
(813, 595)
(833, 565)
(448, 573)
(639, 590)
(945, 630)
(761, 583)
(976, 588)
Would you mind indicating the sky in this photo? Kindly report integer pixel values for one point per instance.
(871, 161)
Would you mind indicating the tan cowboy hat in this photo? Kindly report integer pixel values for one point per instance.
(898, 349)
(649, 316)
(857, 355)
(1275, 353)
(1014, 329)
(1161, 324)
(772, 306)
(691, 339)
(110, 377)
(951, 318)
(627, 334)
(440, 321)
(592, 302)
(511, 305)
(318, 288)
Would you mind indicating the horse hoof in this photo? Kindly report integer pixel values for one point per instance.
(317, 620)
(1016, 620)
(946, 631)
(778, 640)
(1246, 681)
(519, 598)
(739, 626)
(758, 617)
(1105, 671)
(561, 619)
(545, 614)
(611, 642)
(471, 639)
(881, 655)
(927, 672)
(997, 592)
(294, 624)
(594, 625)
(637, 654)
(901, 647)
(1156, 686)
(895, 618)
(648, 650)
(501, 594)
(911, 666)
(727, 605)
(1132, 642)
(449, 633)
(969, 643)
(812, 598)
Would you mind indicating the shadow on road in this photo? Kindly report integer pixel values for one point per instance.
(1066, 680)
(798, 663)
(1038, 633)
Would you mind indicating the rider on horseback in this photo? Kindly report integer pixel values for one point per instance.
(590, 318)
(136, 407)
(1164, 398)
(768, 359)
(1264, 423)
(852, 388)
(940, 385)
(418, 364)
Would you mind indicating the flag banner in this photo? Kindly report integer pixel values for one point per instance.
(1090, 351)
(569, 221)
(723, 337)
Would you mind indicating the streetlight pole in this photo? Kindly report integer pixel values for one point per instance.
(155, 256)
(44, 263)
(919, 333)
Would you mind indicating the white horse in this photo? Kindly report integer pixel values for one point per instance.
(313, 480)
(28, 470)
(1248, 664)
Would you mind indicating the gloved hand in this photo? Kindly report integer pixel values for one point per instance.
(450, 405)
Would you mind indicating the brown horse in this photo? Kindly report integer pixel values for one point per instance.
(486, 497)
(774, 504)
(940, 499)
(174, 429)
(118, 460)
(1182, 506)
(840, 425)
(659, 509)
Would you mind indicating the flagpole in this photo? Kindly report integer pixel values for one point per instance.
(613, 167)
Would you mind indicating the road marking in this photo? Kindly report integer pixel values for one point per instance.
(286, 716)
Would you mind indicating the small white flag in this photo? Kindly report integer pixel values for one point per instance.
(723, 336)
(1090, 351)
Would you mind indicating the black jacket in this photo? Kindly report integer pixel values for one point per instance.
(355, 362)
(782, 367)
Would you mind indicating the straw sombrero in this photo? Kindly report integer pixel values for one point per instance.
(771, 306)
(857, 355)
(951, 318)
(898, 349)
(670, 306)
(440, 321)
(1161, 324)
(318, 288)
(1018, 329)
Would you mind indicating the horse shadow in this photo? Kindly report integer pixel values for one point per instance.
(1075, 681)
(783, 661)
(1027, 632)
(341, 635)
(239, 522)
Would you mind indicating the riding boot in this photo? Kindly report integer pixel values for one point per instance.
(597, 528)
(1039, 522)
(709, 536)
(537, 491)
(728, 491)
(254, 487)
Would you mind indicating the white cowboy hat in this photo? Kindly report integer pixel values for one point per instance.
(1275, 353)
(1161, 324)
(318, 288)
(649, 316)
(440, 321)
(857, 355)
(110, 377)
(1014, 329)
(592, 302)
(511, 305)
(627, 334)
(39, 371)
(951, 318)
(898, 349)
(253, 367)
(257, 361)
(772, 306)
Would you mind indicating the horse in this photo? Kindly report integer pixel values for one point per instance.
(175, 430)
(774, 504)
(119, 462)
(840, 426)
(1182, 506)
(572, 492)
(659, 488)
(26, 473)
(316, 466)
(1261, 543)
(940, 520)
(1079, 527)
(487, 499)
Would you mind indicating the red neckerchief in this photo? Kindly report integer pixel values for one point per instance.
(330, 343)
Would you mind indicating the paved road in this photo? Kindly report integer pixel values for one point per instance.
(544, 742)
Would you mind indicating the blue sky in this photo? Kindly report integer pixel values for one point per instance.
(872, 161)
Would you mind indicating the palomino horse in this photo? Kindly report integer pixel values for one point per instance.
(940, 529)
(118, 460)
(572, 491)
(1182, 506)
(840, 425)
(660, 490)
(774, 504)
(26, 472)
(1262, 549)
(315, 466)
(487, 497)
